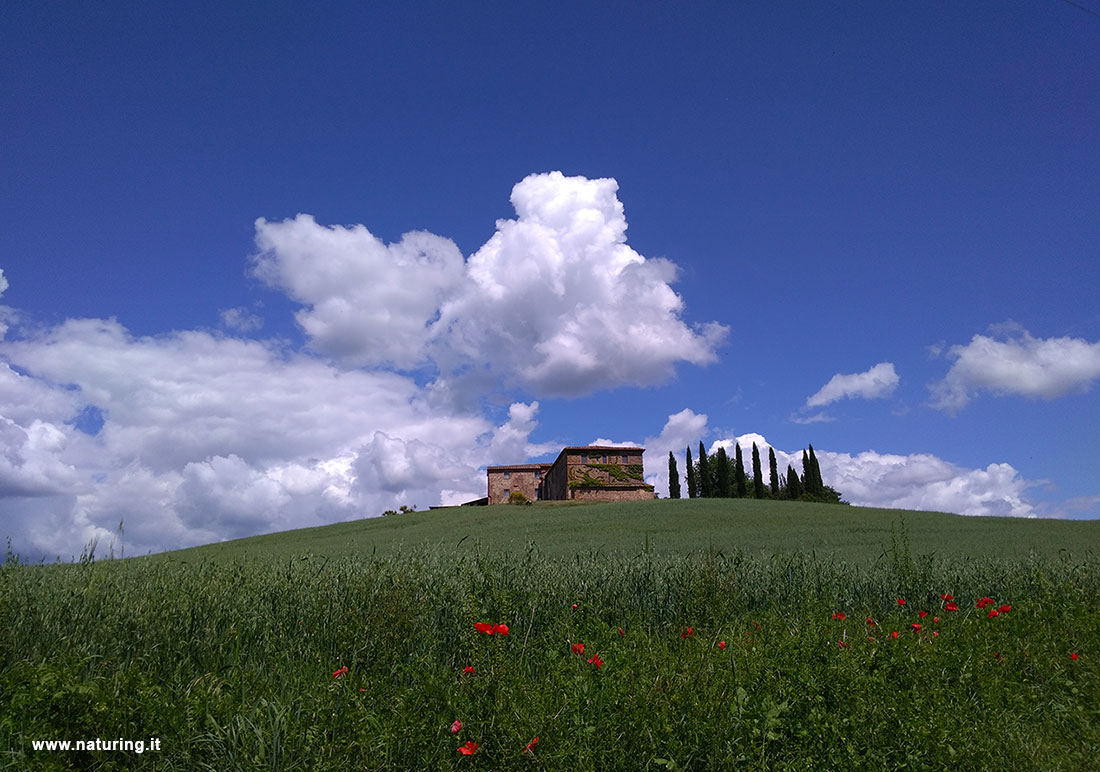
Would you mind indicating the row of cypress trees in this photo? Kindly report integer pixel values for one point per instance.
(719, 476)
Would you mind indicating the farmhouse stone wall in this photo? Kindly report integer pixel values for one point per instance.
(613, 494)
(524, 478)
(589, 473)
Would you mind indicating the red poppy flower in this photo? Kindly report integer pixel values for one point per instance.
(947, 596)
(916, 627)
(531, 745)
(469, 749)
(578, 648)
(469, 670)
(842, 644)
(721, 644)
(993, 613)
(1005, 608)
(456, 727)
(622, 633)
(951, 607)
(894, 634)
(500, 629)
(983, 602)
(596, 661)
(484, 627)
(574, 606)
(922, 614)
(1073, 656)
(340, 672)
(688, 631)
(839, 615)
(901, 601)
(936, 619)
(935, 633)
(870, 621)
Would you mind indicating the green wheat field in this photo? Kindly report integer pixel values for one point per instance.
(679, 635)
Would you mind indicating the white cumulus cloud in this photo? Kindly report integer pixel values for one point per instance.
(1044, 368)
(680, 431)
(206, 438)
(926, 482)
(366, 302)
(555, 300)
(917, 481)
(879, 381)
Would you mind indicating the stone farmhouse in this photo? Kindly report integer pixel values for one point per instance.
(589, 473)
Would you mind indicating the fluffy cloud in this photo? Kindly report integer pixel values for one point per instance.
(24, 399)
(558, 299)
(917, 481)
(925, 482)
(207, 438)
(879, 381)
(511, 439)
(1019, 364)
(366, 302)
(870, 479)
(681, 430)
(555, 300)
(188, 396)
(30, 464)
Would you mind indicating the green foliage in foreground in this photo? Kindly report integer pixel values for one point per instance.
(231, 663)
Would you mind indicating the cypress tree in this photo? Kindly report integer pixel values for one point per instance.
(774, 471)
(673, 477)
(817, 487)
(807, 475)
(704, 474)
(722, 481)
(757, 477)
(739, 474)
(693, 486)
(794, 485)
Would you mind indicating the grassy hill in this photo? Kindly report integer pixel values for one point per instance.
(617, 637)
(853, 534)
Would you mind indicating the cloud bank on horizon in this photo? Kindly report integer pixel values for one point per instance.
(197, 436)
(915, 481)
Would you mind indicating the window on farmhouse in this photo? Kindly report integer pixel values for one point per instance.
(507, 475)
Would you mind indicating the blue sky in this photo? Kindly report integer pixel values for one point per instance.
(868, 226)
